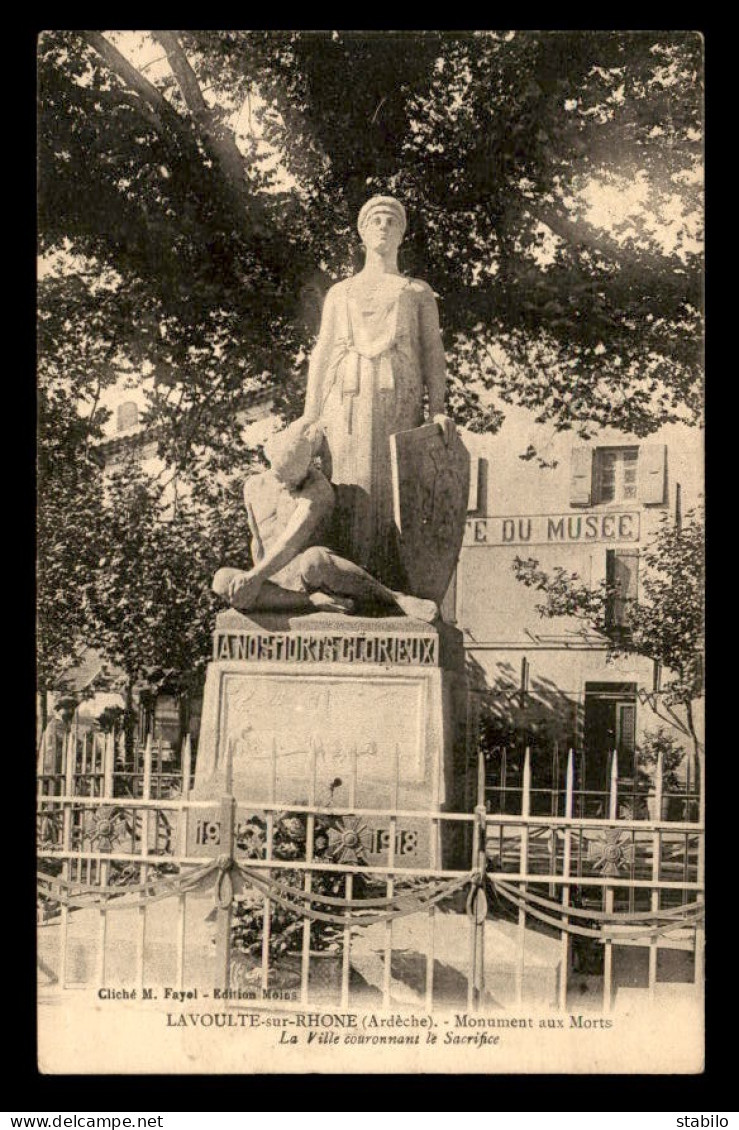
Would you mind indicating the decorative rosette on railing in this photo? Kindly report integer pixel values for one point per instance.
(611, 851)
(105, 827)
(349, 841)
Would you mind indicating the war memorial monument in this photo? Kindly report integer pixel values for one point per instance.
(333, 672)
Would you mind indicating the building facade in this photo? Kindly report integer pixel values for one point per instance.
(590, 509)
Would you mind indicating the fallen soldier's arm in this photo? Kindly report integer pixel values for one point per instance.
(311, 507)
(257, 548)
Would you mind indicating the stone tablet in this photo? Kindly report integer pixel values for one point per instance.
(353, 711)
(430, 487)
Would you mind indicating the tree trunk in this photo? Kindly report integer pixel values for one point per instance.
(697, 744)
(44, 697)
(219, 142)
(129, 723)
(152, 102)
(184, 704)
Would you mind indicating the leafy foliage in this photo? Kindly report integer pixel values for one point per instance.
(69, 500)
(491, 140)
(149, 602)
(665, 623)
(198, 193)
(655, 745)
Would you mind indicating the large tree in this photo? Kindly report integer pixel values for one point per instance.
(69, 501)
(198, 193)
(147, 596)
(504, 148)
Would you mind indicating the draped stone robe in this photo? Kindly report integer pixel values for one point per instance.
(373, 361)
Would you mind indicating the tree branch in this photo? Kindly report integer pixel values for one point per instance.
(220, 143)
(598, 242)
(697, 744)
(147, 91)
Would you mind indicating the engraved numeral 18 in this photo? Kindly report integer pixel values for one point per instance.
(406, 843)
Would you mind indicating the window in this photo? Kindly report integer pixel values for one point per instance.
(128, 415)
(619, 476)
(615, 474)
(622, 578)
(477, 496)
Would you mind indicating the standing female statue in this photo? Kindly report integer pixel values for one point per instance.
(379, 349)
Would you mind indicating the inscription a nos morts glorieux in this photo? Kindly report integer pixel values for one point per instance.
(419, 651)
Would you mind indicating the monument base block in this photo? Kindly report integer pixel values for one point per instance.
(341, 712)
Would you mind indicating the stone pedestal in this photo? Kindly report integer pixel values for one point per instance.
(350, 712)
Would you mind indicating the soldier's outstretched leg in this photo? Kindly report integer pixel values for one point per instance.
(322, 569)
(238, 588)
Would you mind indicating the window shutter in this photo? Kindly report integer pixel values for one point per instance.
(653, 474)
(128, 415)
(581, 479)
(622, 572)
(626, 728)
(474, 493)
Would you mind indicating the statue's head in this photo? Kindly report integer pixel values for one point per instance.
(290, 451)
(382, 223)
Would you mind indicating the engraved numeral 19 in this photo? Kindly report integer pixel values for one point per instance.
(208, 832)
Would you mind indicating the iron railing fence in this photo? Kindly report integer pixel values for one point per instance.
(353, 902)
